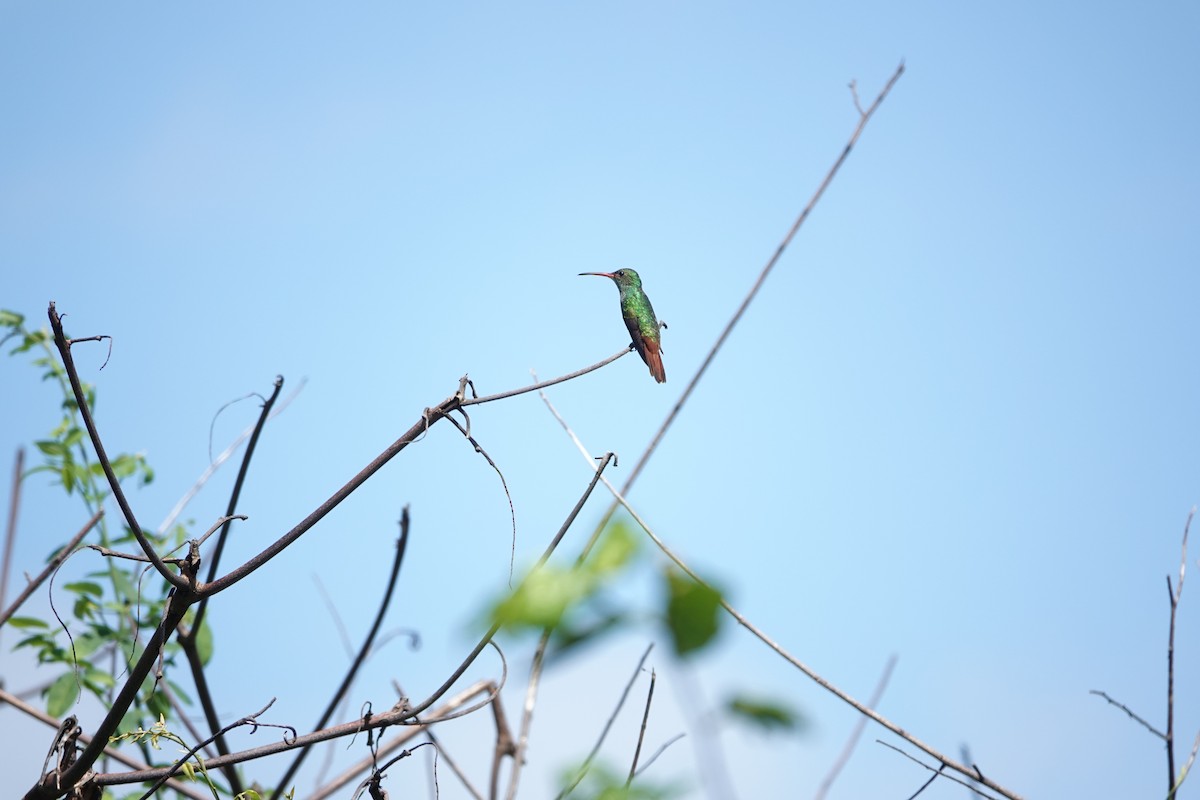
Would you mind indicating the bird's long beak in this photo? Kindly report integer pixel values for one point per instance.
(600, 274)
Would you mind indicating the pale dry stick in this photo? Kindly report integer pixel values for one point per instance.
(661, 749)
(352, 772)
(113, 753)
(844, 757)
(54, 563)
(10, 530)
(1183, 773)
(974, 774)
(522, 743)
(224, 456)
(864, 118)
(582, 772)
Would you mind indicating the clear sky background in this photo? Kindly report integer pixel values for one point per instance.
(959, 425)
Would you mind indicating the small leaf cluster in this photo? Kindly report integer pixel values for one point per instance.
(114, 607)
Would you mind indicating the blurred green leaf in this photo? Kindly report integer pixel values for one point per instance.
(11, 319)
(615, 549)
(61, 694)
(85, 587)
(204, 641)
(51, 447)
(693, 612)
(27, 622)
(770, 715)
(540, 600)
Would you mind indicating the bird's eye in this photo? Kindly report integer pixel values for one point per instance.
(621, 272)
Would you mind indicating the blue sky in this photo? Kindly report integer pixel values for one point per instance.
(958, 425)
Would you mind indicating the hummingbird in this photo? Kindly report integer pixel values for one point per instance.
(639, 319)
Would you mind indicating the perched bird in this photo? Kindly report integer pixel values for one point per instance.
(639, 319)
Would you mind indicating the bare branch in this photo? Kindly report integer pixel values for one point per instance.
(542, 385)
(1128, 711)
(741, 310)
(360, 658)
(791, 659)
(587, 762)
(64, 350)
(10, 530)
(1174, 595)
(466, 432)
(939, 771)
(225, 455)
(637, 752)
(54, 563)
(109, 752)
(859, 726)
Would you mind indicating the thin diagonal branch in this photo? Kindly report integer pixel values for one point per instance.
(10, 530)
(54, 563)
(224, 456)
(1174, 595)
(864, 118)
(587, 762)
(637, 752)
(110, 752)
(215, 558)
(64, 351)
(761, 636)
(1129, 711)
(487, 637)
(359, 659)
(474, 401)
(859, 726)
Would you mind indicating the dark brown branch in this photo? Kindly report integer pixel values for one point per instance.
(10, 530)
(359, 659)
(859, 726)
(587, 762)
(487, 637)
(941, 770)
(466, 432)
(64, 351)
(109, 752)
(637, 752)
(474, 401)
(188, 638)
(412, 434)
(48, 786)
(1129, 711)
(1174, 594)
(174, 769)
(54, 563)
(366, 723)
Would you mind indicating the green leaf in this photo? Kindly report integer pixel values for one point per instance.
(541, 600)
(11, 319)
(616, 548)
(693, 612)
(27, 622)
(764, 713)
(51, 447)
(85, 587)
(204, 642)
(61, 694)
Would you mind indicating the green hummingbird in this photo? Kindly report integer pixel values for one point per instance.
(639, 319)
